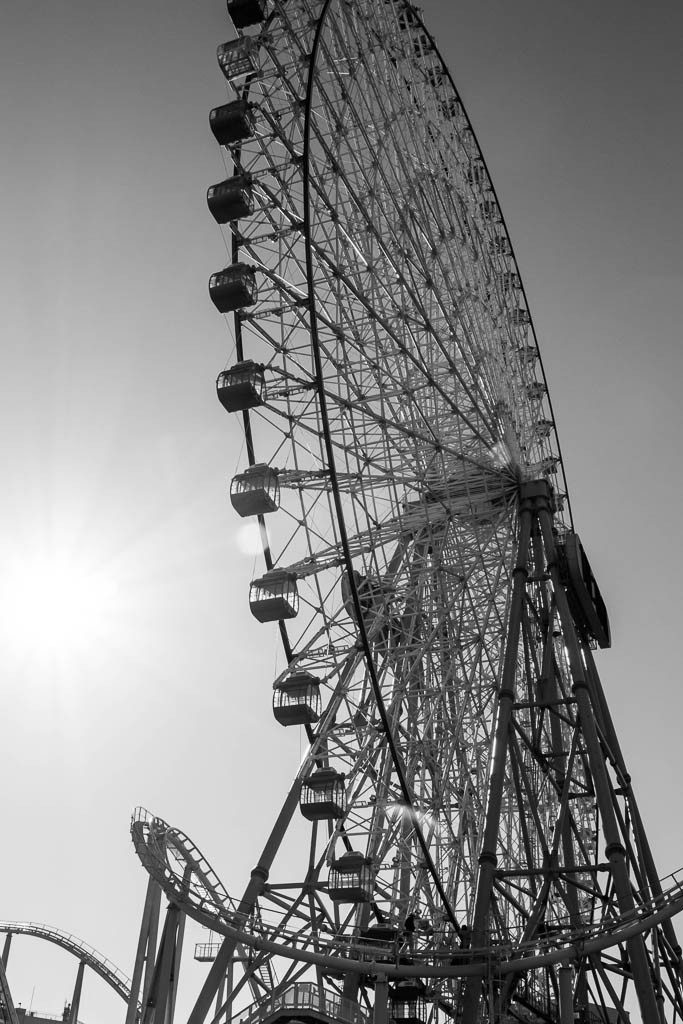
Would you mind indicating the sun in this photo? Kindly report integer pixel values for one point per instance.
(54, 605)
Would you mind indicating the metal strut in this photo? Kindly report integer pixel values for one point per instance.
(536, 518)
(259, 877)
(159, 1005)
(144, 957)
(614, 848)
(6, 1001)
(506, 697)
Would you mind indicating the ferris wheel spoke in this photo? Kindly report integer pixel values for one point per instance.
(334, 279)
(423, 322)
(358, 202)
(407, 144)
(448, 451)
(402, 228)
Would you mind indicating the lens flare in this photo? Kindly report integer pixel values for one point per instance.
(398, 811)
(54, 605)
(248, 539)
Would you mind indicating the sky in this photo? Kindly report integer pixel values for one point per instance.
(133, 672)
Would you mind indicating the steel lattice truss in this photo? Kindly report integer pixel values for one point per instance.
(406, 412)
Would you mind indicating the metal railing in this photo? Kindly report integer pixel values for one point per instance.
(208, 903)
(303, 996)
(102, 965)
(29, 1015)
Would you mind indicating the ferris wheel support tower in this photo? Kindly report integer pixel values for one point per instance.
(536, 538)
(536, 518)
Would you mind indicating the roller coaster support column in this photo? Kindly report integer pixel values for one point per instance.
(614, 848)
(180, 936)
(6, 948)
(76, 997)
(144, 957)
(6, 1002)
(259, 877)
(160, 1003)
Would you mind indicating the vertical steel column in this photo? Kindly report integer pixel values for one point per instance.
(76, 997)
(254, 888)
(566, 994)
(175, 969)
(155, 913)
(380, 1013)
(145, 951)
(6, 997)
(506, 696)
(156, 1008)
(642, 842)
(224, 992)
(220, 999)
(5, 949)
(614, 849)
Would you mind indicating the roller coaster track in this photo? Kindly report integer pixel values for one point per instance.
(115, 978)
(187, 879)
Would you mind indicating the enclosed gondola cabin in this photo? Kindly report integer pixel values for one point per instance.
(476, 174)
(255, 492)
(449, 108)
(231, 199)
(489, 211)
(519, 316)
(242, 387)
(549, 465)
(237, 58)
(374, 597)
(407, 1002)
(511, 281)
(274, 596)
(232, 122)
(323, 795)
(296, 700)
(246, 12)
(233, 288)
(543, 428)
(528, 354)
(351, 879)
(536, 390)
(500, 246)
(372, 594)
(379, 941)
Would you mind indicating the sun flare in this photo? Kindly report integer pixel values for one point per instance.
(55, 605)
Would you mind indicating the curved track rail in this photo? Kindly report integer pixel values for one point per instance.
(190, 885)
(101, 965)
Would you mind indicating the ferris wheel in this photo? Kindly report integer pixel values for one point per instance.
(463, 793)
